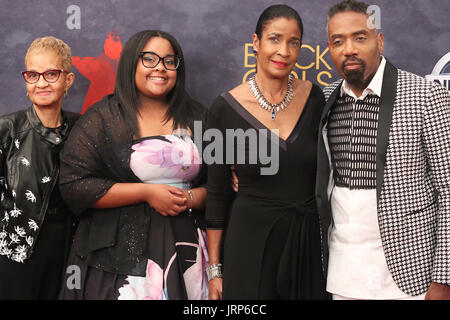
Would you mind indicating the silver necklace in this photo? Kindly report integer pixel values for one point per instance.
(273, 108)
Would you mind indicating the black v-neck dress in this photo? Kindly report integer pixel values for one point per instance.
(272, 238)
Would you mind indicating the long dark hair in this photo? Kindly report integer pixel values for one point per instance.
(182, 108)
(277, 11)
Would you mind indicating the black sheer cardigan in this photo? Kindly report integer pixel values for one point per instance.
(96, 156)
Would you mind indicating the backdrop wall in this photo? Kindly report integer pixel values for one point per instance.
(215, 35)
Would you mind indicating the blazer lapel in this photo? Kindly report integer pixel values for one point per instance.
(323, 168)
(387, 99)
(328, 104)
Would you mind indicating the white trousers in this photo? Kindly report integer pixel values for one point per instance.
(420, 297)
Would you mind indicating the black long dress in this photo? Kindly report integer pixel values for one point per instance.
(272, 241)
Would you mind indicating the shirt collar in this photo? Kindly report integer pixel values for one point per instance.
(48, 134)
(374, 86)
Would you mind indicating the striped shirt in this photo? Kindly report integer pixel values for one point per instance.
(352, 136)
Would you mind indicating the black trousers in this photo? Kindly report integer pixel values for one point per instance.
(39, 278)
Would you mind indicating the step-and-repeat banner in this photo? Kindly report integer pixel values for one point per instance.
(216, 37)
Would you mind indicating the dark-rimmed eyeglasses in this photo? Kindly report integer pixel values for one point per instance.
(151, 60)
(49, 75)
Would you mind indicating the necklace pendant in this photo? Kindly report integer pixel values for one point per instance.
(266, 105)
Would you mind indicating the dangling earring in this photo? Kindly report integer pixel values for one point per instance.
(65, 93)
(26, 95)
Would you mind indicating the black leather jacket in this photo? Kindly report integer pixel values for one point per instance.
(29, 171)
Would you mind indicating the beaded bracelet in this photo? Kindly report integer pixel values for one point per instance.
(192, 199)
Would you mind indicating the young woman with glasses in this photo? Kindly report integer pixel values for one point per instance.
(35, 224)
(131, 172)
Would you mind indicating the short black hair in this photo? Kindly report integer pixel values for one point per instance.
(278, 11)
(348, 5)
(182, 109)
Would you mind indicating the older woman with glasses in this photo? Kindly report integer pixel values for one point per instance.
(35, 224)
(131, 172)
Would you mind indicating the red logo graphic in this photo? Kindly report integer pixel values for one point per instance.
(101, 70)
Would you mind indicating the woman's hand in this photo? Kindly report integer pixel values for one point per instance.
(234, 179)
(167, 200)
(215, 289)
(214, 237)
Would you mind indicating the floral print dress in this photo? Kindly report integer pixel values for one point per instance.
(178, 255)
(176, 248)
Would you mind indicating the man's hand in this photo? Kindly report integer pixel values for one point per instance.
(438, 291)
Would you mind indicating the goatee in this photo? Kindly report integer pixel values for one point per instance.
(354, 77)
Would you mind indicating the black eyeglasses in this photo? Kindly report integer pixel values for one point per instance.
(151, 60)
(49, 75)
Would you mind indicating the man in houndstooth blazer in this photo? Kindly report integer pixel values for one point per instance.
(412, 177)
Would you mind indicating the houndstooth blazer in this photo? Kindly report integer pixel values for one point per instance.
(413, 178)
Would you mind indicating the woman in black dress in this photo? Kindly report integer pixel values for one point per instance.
(135, 180)
(35, 224)
(271, 244)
